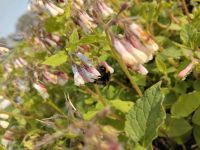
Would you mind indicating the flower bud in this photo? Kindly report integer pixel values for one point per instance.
(104, 9)
(4, 103)
(85, 21)
(107, 66)
(53, 9)
(4, 124)
(84, 59)
(41, 89)
(50, 77)
(142, 70)
(185, 71)
(3, 50)
(62, 78)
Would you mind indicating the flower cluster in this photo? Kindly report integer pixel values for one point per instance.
(20, 63)
(4, 104)
(135, 48)
(40, 6)
(3, 50)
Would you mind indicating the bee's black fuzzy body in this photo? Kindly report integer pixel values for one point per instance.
(105, 75)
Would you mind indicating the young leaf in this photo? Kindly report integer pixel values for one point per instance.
(196, 133)
(196, 117)
(186, 104)
(146, 116)
(161, 65)
(56, 59)
(123, 106)
(178, 127)
(74, 37)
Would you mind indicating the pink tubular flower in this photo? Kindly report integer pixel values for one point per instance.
(104, 9)
(78, 79)
(138, 55)
(53, 9)
(148, 42)
(85, 21)
(135, 42)
(185, 71)
(3, 50)
(126, 56)
(107, 66)
(8, 67)
(7, 138)
(50, 77)
(84, 59)
(142, 70)
(62, 78)
(85, 72)
(20, 63)
(41, 89)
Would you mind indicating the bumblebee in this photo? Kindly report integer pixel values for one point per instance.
(105, 75)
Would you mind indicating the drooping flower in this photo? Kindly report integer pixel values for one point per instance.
(84, 59)
(22, 85)
(107, 66)
(8, 68)
(126, 56)
(85, 21)
(53, 9)
(140, 56)
(185, 71)
(77, 4)
(50, 77)
(41, 89)
(4, 124)
(136, 43)
(4, 103)
(7, 138)
(78, 79)
(3, 50)
(141, 34)
(62, 78)
(103, 8)
(85, 72)
(20, 63)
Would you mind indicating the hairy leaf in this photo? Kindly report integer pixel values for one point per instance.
(146, 116)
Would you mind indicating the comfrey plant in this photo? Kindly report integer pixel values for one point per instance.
(103, 75)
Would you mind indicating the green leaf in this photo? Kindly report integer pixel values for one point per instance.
(190, 36)
(196, 85)
(68, 9)
(196, 133)
(56, 59)
(123, 106)
(178, 127)
(140, 79)
(161, 65)
(74, 36)
(139, 147)
(90, 114)
(172, 52)
(186, 104)
(146, 116)
(196, 117)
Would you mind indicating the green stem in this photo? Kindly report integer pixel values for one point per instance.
(101, 99)
(55, 107)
